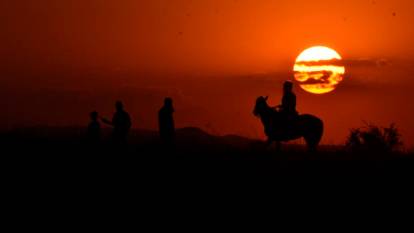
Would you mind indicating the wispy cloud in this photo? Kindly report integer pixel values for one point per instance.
(366, 62)
(360, 62)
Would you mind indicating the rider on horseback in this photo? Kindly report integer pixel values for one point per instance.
(288, 106)
(283, 123)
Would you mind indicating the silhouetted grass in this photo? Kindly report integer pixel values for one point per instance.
(373, 139)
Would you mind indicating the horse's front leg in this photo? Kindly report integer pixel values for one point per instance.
(269, 142)
(278, 146)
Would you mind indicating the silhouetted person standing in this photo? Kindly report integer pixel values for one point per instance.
(166, 122)
(121, 122)
(94, 129)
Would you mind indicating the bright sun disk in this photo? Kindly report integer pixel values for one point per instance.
(318, 70)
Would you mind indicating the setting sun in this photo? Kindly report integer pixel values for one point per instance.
(318, 70)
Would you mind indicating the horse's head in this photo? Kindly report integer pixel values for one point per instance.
(261, 106)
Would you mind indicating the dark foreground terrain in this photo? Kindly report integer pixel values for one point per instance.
(57, 168)
(57, 152)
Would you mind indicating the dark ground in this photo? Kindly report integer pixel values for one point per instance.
(64, 152)
(55, 170)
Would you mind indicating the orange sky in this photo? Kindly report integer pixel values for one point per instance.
(226, 49)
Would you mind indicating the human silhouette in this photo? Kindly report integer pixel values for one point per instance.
(166, 122)
(121, 123)
(94, 128)
(288, 107)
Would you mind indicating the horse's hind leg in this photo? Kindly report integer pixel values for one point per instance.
(312, 144)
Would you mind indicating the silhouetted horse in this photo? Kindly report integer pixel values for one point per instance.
(307, 126)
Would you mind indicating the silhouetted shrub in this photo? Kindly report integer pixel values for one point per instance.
(372, 138)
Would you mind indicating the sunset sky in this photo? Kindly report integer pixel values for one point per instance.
(62, 59)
